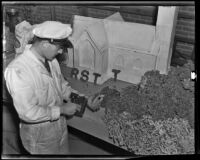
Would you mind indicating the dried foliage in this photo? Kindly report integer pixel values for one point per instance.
(154, 117)
(147, 137)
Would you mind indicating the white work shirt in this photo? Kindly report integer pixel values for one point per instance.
(36, 94)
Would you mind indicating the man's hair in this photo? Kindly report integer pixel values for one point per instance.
(64, 43)
(34, 40)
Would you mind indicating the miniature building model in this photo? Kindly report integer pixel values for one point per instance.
(101, 45)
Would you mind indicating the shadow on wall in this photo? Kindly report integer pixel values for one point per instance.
(178, 59)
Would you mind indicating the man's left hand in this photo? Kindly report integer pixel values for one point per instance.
(94, 102)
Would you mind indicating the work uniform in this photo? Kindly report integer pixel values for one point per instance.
(37, 95)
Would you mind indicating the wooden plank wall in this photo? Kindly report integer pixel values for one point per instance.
(185, 29)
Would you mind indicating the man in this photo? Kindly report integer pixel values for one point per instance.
(38, 91)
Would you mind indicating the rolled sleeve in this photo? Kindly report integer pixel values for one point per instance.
(21, 87)
(55, 113)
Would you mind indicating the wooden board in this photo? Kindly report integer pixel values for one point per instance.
(92, 124)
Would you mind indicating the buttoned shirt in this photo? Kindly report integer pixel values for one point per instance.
(37, 95)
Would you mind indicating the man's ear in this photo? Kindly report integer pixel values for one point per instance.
(45, 44)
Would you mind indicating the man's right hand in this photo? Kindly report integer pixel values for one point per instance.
(69, 108)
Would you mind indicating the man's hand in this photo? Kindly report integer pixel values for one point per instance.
(94, 102)
(69, 108)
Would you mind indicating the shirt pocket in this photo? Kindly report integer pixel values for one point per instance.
(42, 94)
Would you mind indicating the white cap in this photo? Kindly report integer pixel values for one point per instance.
(52, 30)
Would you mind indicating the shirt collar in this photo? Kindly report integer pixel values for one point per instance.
(40, 58)
(35, 61)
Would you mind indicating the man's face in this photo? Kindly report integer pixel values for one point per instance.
(52, 51)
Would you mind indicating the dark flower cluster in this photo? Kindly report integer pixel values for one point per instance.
(165, 100)
(111, 99)
(147, 137)
(158, 95)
